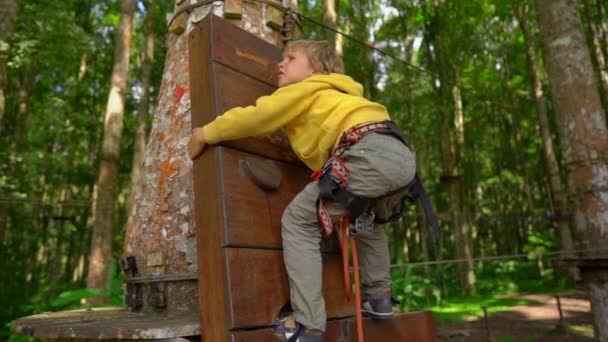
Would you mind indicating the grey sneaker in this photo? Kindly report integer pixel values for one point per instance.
(378, 308)
(290, 331)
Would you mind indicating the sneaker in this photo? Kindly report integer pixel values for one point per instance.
(378, 308)
(288, 330)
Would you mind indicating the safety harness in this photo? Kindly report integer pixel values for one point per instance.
(364, 211)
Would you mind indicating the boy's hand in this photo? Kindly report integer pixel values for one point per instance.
(197, 143)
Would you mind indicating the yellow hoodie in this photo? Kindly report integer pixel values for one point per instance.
(315, 113)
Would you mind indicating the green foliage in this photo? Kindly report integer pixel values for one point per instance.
(71, 299)
(509, 339)
(415, 291)
(58, 77)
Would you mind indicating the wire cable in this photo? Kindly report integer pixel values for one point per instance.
(368, 45)
(496, 257)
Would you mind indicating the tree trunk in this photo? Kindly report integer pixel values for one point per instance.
(101, 243)
(582, 125)
(602, 19)
(451, 126)
(597, 57)
(558, 192)
(25, 87)
(463, 228)
(8, 13)
(329, 19)
(161, 231)
(143, 110)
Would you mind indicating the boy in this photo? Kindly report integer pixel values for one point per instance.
(332, 129)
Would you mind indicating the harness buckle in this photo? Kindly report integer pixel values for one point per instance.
(364, 223)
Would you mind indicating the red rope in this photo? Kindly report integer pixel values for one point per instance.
(345, 237)
(344, 244)
(359, 316)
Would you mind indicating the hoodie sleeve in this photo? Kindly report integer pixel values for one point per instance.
(267, 115)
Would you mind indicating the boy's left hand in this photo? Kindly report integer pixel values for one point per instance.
(197, 143)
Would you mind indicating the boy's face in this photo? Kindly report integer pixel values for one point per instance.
(294, 67)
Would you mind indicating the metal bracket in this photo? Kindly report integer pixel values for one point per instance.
(133, 294)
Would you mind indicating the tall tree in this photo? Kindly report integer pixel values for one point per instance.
(602, 18)
(582, 124)
(450, 111)
(559, 196)
(144, 104)
(597, 54)
(101, 244)
(329, 19)
(8, 13)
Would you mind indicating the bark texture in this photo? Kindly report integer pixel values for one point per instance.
(161, 231)
(101, 244)
(559, 196)
(582, 124)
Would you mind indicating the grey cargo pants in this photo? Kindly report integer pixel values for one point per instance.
(378, 164)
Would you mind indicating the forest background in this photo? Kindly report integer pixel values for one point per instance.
(464, 79)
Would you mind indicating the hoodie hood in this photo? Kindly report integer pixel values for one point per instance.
(340, 82)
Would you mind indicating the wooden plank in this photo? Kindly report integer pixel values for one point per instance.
(207, 200)
(235, 89)
(253, 215)
(411, 326)
(105, 323)
(258, 286)
(245, 52)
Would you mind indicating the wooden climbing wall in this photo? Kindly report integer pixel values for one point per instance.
(242, 280)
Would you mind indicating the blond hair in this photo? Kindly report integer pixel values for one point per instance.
(322, 56)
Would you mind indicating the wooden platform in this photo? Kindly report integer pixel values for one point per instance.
(105, 323)
(120, 324)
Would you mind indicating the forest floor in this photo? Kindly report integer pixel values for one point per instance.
(538, 322)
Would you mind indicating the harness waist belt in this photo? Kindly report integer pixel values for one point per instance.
(335, 189)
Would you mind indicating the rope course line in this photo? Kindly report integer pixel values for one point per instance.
(72, 203)
(368, 45)
(496, 257)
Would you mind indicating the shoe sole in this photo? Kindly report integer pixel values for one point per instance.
(376, 315)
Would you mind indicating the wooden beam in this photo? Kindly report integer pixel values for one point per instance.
(274, 18)
(233, 9)
(208, 208)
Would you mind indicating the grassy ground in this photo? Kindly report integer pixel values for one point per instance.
(517, 318)
(461, 310)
